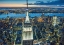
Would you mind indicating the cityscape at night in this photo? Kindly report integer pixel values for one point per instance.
(31, 22)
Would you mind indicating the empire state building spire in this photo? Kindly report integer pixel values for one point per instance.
(27, 32)
(27, 13)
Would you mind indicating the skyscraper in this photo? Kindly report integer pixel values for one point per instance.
(55, 21)
(27, 33)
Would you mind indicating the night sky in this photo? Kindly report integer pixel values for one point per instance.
(21, 3)
(34, 1)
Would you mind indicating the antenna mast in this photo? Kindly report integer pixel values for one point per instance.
(27, 13)
(27, 3)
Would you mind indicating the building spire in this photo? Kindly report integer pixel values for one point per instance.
(27, 13)
(27, 3)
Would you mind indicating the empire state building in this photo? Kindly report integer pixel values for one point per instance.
(27, 33)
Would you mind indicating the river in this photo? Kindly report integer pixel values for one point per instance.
(30, 14)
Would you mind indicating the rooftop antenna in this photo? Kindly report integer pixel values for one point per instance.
(27, 3)
(27, 13)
